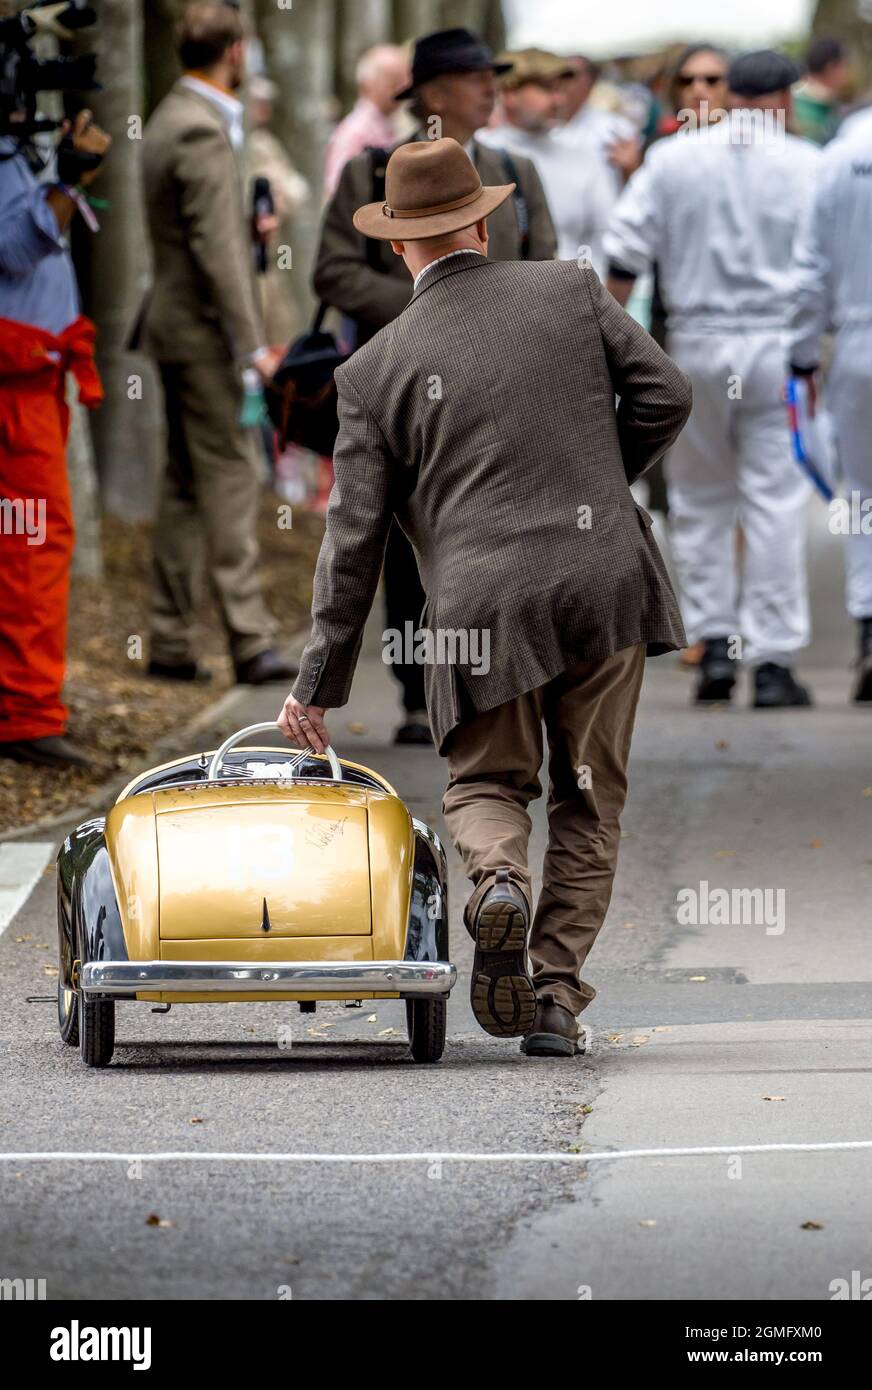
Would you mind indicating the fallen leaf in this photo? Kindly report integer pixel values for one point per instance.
(196, 1119)
(154, 1220)
(663, 1028)
(24, 938)
(587, 1110)
(629, 926)
(726, 853)
(639, 1038)
(355, 727)
(50, 971)
(867, 791)
(815, 844)
(722, 743)
(614, 1037)
(812, 1226)
(697, 977)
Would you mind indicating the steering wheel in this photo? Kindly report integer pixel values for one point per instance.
(301, 754)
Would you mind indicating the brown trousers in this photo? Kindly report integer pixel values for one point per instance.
(207, 511)
(494, 760)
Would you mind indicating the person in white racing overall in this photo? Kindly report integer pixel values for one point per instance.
(718, 208)
(834, 294)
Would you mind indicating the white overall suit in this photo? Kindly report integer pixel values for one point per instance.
(834, 294)
(718, 210)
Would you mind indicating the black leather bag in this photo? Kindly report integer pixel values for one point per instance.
(301, 398)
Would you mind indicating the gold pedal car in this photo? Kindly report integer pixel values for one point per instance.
(248, 875)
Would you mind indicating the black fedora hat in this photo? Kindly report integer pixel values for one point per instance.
(449, 50)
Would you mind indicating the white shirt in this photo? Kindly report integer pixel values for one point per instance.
(463, 251)
(834, 255)
(718, 210)
(230, 108)
(579, 185)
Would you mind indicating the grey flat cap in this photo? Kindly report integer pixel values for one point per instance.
(761, 72)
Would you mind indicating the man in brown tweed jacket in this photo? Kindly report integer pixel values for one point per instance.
(484, 420)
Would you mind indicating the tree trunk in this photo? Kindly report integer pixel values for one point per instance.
(412, 18)
(361, 24)
(298, 48)
(161, 63)
(128, 427)
(88, 555)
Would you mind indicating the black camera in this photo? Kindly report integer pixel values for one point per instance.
(23, 76)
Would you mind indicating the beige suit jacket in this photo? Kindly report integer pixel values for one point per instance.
(202, 306)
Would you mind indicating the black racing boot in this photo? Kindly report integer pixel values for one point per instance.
(863, 688)
(554, 1032)
(415, 729)
(265, 667)
(775, 687)
(501, 990)
(717, 672)
(178, 671)
(54, 750)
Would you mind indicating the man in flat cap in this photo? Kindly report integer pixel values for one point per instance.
(718, 210)
(578, 183)
(483, 419)
(452, 92)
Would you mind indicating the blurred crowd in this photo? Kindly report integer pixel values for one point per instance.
(742, 253)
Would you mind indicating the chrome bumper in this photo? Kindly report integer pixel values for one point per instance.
(342, 978)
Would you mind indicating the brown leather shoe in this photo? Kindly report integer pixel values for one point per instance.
(554, 1032)
(501, 990)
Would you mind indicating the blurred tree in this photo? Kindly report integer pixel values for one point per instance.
(161, 64)
(850, 21)
(127, 428)
(360, 25)
(298, 48)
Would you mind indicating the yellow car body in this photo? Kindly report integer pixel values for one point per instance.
(226, 877)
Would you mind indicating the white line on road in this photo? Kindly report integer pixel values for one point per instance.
(20, 867)
(188, 1156)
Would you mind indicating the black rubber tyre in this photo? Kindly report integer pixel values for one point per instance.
(427, 1022)
(68, 1015)
(96, 1031)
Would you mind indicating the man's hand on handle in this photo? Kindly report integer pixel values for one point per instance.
(304, 725)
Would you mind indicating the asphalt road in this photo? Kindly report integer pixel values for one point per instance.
(708, 1036)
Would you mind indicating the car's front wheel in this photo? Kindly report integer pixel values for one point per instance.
(427, 1022)
(96, 1030)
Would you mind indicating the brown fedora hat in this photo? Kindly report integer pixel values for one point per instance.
(431, 188)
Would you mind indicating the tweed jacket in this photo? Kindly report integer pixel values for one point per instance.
(202, 306)
(484, 419)
(373, 295)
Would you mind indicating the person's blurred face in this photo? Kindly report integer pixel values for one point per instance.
(838, 76)
(260, 112)
(466, 99)
(234, 65)
(536, 107)
(390, 76)
(702, 77)
(574, 88)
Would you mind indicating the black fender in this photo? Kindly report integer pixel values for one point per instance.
(427, 933)
(89, 922)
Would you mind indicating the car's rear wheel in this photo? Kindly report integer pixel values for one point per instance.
(96, 1030)
(68, 1014)
(427, 1022)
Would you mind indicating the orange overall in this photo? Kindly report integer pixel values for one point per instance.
(36, 521)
